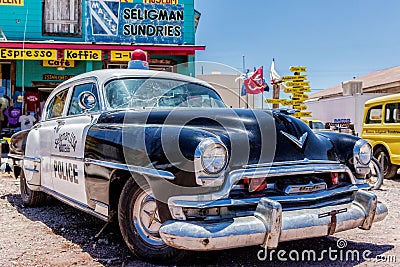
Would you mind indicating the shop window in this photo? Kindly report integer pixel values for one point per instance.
(56, 106)
(5, 79)
(374, 115)
(62, 17)
(392, 114)
(74, 108)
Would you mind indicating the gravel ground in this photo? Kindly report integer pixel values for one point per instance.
(58, 235)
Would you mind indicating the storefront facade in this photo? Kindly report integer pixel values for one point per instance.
(44, 42)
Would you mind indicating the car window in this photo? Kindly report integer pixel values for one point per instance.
(156, 92)
(392, 114)
(56, 106)
(74, 108)
(374, 115)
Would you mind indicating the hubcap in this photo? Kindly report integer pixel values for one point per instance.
(146, 218)
(373, 178)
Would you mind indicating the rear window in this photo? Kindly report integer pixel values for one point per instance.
(374, 115)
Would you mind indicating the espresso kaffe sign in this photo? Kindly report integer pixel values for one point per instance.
(125, 22)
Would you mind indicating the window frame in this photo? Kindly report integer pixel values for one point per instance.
(375, 122)
(391, 112)
(50, 104)
(77, 23)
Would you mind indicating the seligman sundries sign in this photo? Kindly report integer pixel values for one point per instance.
(125, 22)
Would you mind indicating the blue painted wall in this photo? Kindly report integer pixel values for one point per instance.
(25, 22)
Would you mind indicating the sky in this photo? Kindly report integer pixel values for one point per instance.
(335, 40)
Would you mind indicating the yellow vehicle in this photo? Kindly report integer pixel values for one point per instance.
(381, 127)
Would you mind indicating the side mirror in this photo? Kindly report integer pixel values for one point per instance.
(87, 100)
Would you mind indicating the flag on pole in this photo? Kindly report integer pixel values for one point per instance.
(255, 84)
(273, 75)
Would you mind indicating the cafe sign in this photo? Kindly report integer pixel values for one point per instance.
(92, 55)
(59, 63)
(28, 54)
(128, 22)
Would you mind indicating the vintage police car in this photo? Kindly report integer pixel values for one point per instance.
(161, 154)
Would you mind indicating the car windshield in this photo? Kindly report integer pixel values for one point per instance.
(157, 92)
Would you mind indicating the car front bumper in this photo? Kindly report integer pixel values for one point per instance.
(270, 225)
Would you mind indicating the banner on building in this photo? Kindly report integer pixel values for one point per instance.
(28, 54)
(127, 22)
(11, 2)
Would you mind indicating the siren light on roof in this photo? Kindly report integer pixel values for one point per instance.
(138, 60)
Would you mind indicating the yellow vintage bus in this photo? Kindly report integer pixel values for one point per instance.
(381, 127)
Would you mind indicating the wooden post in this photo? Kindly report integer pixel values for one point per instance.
(275, 93)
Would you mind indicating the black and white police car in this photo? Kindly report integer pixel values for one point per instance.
(162, 155)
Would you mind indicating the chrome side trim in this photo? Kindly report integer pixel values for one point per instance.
(31, 170)
(15, 156)
(74, 203)
(68, 157)
(137, 169)
(34, 159)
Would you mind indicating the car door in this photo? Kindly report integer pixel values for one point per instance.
(67, 154)
(39, 142)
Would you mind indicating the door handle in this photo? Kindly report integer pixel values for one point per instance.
(59, 124)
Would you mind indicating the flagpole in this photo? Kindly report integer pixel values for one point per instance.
(244, 71)
(262, 94)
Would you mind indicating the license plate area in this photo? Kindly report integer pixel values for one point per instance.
(305, 188)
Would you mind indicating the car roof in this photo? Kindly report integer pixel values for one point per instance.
(106, 74)
(383, 99)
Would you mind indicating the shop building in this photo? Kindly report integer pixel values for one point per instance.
(345, 102)
(44, 42)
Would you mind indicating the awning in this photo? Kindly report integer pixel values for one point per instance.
(171, 50)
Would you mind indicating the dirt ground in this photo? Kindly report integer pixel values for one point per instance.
(58, 235)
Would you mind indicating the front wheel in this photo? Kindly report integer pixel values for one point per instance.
(389, 170)
(29, 197)
(139, 222)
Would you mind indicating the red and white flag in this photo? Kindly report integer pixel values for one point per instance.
(255, 84)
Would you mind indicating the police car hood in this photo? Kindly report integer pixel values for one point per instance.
(251, 136)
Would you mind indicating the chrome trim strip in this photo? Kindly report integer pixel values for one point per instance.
(68, 157)
(31, 170)
(73, 203)
(285, 163)
(34, 159)
(16, 156)
(137, 169)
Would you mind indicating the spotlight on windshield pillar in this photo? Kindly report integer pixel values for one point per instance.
(138, 60)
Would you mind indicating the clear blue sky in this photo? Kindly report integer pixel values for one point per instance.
(336, 40)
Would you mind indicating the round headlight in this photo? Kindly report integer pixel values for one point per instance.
(214, 158)
(363, 152)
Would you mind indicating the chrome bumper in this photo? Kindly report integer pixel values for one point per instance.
(270, 225)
